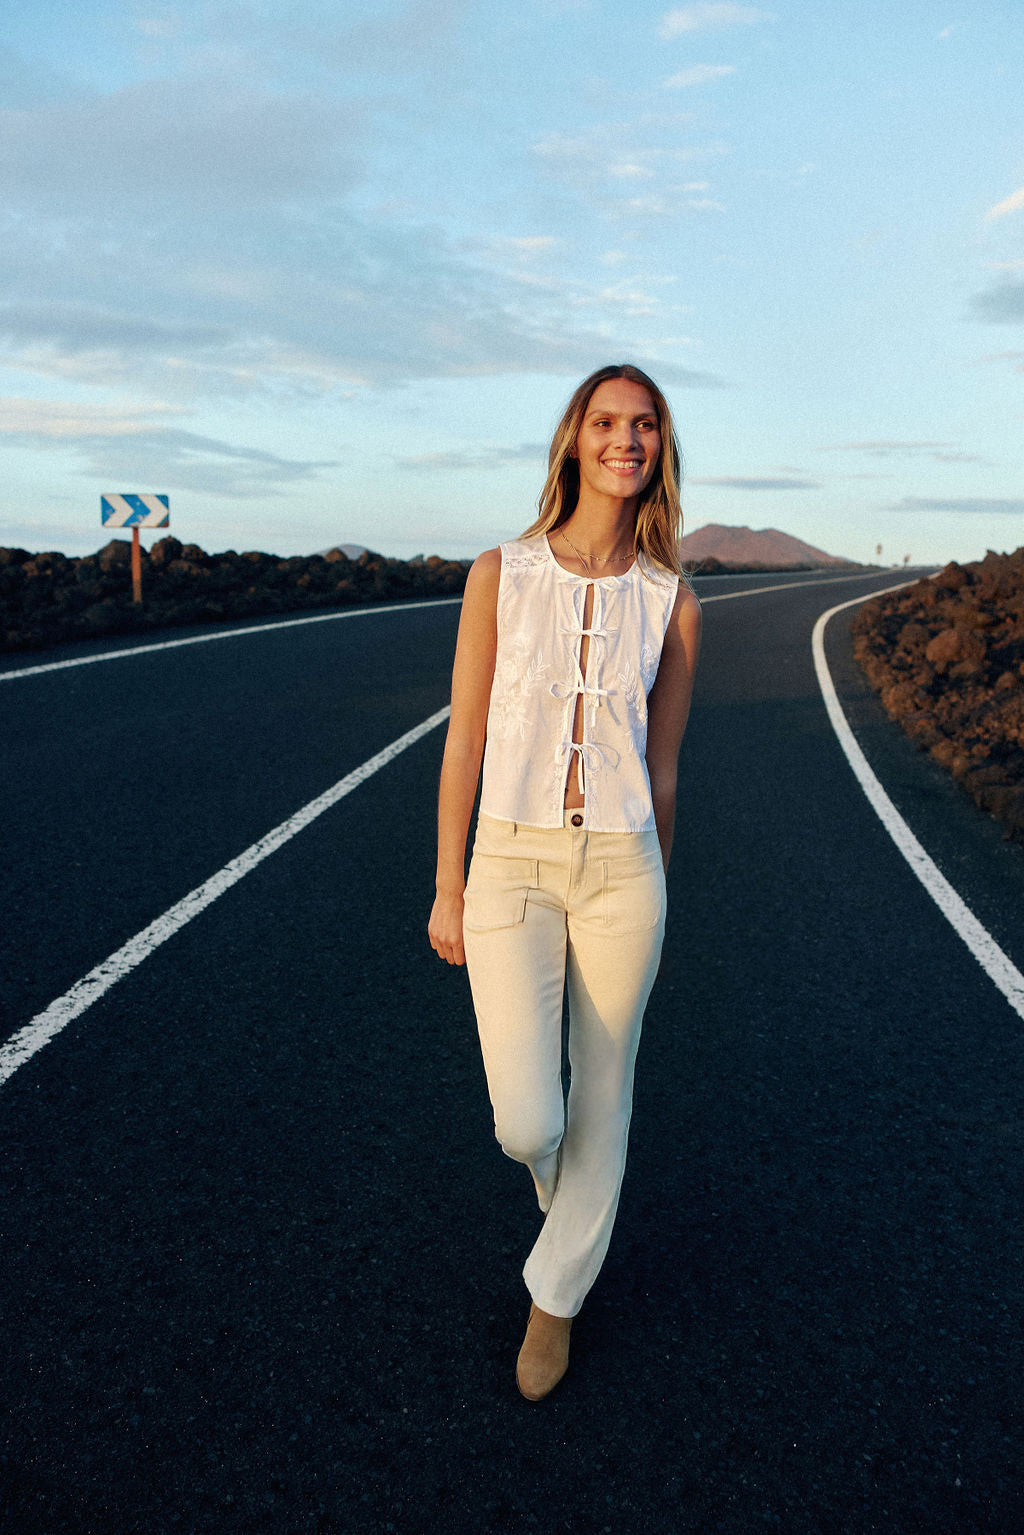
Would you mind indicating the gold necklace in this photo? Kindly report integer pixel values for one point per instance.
(584, 559)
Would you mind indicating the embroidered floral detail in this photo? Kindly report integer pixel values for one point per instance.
(517, 677)
(649, 659)
(634, 692)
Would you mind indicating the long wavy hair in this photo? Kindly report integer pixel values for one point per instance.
(659, 514)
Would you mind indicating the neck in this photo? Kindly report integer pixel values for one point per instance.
(603, 529)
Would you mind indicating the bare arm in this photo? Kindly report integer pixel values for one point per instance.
(668, 706)
(463, 751)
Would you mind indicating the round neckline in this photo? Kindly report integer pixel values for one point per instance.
(575, 574)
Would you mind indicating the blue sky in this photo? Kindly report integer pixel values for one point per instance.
(325, 276)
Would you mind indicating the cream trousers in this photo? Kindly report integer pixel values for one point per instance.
(545, 909)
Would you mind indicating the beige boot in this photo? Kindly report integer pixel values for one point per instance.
(544, 1356)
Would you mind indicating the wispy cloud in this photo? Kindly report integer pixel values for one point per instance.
(743, 482)
(1003, 304)
(1011, 204)
(128, 444)
(941, 452)
(1017, 358)
(699, 74)
(984, 505)
(494, 458)
(709, 18)
(78, 421)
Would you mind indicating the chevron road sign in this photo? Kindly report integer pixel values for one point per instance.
(135, 511)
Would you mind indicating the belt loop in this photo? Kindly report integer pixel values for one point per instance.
(515, 828)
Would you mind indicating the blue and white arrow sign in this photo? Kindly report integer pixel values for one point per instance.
(135, 511)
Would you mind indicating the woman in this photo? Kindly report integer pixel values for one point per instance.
(575, 661)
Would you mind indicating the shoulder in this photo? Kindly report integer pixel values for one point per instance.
(486, 566)
(685, 617)
(682, 633)
(687, 604)
(483, 581)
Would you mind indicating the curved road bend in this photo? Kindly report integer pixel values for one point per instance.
(259, 1251)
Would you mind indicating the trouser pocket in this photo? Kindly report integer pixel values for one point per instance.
(496, 891)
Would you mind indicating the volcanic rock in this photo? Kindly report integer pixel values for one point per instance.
(48, 598)
(946, 656)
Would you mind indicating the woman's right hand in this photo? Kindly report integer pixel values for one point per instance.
(445, 928)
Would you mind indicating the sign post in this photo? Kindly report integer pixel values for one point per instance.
(135, 512)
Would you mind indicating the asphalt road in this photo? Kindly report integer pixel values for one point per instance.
(259, 1252)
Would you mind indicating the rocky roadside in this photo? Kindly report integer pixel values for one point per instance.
(946, 656)
(46, 599)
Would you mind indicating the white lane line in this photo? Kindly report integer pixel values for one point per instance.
(326, 618)
(37, 1033)
(226, 634)
(997, 965)
(755, 591)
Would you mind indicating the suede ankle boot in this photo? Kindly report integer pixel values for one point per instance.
(544, 1356)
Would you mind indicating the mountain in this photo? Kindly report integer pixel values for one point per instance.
(350, 551)
(747, 546)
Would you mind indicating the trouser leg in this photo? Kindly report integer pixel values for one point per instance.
(609, 978)
(516, 974)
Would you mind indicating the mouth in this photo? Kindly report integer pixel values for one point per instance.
(623, 465)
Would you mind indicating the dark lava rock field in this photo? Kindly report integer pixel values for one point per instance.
(46, 599)
(946, 656)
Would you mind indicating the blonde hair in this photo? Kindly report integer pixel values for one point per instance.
(659, 514)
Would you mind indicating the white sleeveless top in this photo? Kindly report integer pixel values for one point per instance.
(537, 679)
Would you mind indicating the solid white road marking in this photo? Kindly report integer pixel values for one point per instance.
(326, 618)
(23, 1045)
(997, 965)
(755, 591)
(225, 634)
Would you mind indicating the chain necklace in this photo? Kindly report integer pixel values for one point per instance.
(585, 559)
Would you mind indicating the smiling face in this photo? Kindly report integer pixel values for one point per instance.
(619, 441)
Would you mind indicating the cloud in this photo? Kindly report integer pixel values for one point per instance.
(770, 482)
(196, 237)
(1011, 204)
(496, 458)
(132, 151)
(1003, 304)
(707, 18)
(941, 452)
(985, 505)
(699, 74)
(586, 158)
(1017, 358)
(527, 245)
(57, 419)
(127, 444)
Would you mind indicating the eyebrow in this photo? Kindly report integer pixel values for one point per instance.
(641, 415)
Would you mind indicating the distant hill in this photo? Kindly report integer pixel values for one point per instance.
(350, 551)
(747, 546)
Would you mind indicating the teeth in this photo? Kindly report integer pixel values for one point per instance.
(623, 463)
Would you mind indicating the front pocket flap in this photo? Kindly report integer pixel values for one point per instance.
(496, 892)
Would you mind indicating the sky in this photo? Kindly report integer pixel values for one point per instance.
(327, 273)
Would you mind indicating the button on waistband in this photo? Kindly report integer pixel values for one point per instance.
(577, 820)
